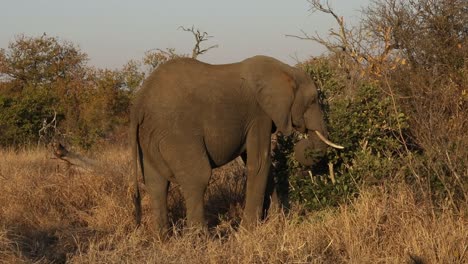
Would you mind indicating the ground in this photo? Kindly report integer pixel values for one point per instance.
(54, 213)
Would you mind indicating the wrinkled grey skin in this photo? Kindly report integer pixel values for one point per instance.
(190, 117)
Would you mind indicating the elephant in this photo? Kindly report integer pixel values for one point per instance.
(189, 117)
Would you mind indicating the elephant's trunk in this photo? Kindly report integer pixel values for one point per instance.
(317, 130)
(302, 151)
(307, 151)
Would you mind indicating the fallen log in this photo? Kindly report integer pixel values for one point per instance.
(74, 159)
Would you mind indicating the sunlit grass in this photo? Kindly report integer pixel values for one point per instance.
(52, 213)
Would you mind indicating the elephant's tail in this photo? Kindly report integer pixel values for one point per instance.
(136, 156)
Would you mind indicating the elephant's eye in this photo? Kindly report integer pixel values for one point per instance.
(312, 99)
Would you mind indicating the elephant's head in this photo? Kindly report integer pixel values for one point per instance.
(289, 96)
(307, 117)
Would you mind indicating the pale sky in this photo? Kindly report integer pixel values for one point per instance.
(112, 32)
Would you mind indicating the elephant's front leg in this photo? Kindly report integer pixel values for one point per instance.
(258, 166)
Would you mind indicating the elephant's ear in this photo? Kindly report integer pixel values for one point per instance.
(275, 95)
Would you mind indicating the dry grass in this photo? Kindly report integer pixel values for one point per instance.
(53, 214)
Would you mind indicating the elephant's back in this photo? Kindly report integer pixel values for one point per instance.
(186, 94)
(186, 81)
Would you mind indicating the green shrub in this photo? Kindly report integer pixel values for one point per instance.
(43, 76)
(365, 122)
(22, 116)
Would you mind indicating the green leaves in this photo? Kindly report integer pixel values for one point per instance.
(365, 122)
(42, 59)
(22, 117)
(41, 76)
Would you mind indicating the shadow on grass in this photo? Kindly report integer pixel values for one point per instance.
(42, 245)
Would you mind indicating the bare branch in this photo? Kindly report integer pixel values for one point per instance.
(331, 47)
(370, 46)
(341, 36)
(75, 159)
(199, 38)
(48, 130)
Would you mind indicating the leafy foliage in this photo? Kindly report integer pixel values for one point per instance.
(365, 123)
(37, 76)
(394, 94)
(154, 58)
(22, 116)
(43, 77)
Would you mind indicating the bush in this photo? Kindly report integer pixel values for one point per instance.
(365, 122)
(42, 77)
(22, 116)
(394, 94)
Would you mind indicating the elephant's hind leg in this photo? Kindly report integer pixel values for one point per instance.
(157, 186)
(189, 162)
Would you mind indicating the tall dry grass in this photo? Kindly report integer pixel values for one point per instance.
(51, 213)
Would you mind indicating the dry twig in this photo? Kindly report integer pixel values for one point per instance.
(199, 38)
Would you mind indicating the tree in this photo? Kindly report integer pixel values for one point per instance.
(40, 60)
(429, 33)
(413, 54)
(199, 38)
(40, 76)
(156, 57)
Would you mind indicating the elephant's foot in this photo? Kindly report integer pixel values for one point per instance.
(249, 221)
(196, 230)
(161, 231)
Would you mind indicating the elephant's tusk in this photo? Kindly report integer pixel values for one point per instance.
(328, 142)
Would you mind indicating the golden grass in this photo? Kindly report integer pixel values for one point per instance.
(49, 213)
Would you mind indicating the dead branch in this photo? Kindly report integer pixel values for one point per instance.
(60, 152)
(341, 35)
(357, 46)
(199, 38)
(46, 127)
